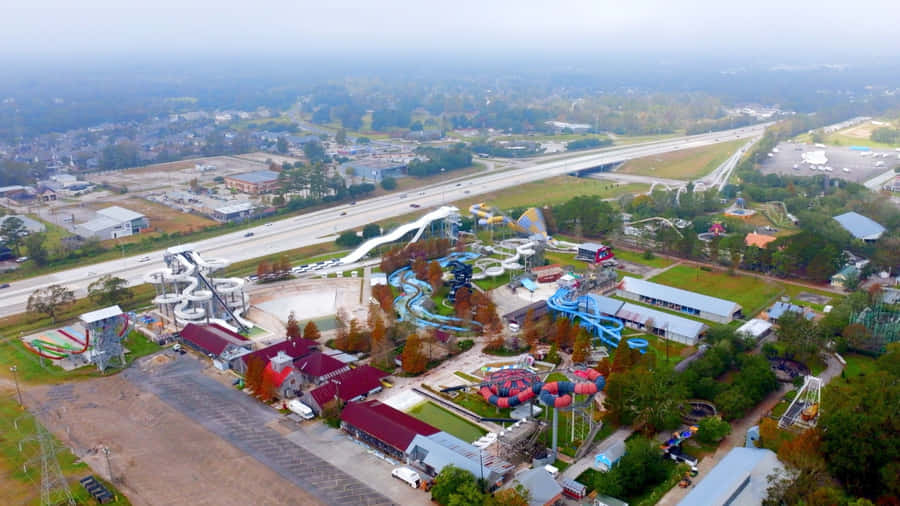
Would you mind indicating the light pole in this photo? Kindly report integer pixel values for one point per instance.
(13, 370)
(444, 190)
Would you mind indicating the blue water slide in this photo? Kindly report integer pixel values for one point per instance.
(608, 329)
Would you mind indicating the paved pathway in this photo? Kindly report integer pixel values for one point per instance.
(243, 422)
(573, 471)
(656, 272)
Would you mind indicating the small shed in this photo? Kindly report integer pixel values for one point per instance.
(608, 457)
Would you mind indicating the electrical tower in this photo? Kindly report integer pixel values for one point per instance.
(54, 487)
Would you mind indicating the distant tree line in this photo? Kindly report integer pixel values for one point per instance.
(455, 157)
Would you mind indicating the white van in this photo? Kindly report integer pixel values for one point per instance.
(407, 476)
(553, 470)
(301, 409)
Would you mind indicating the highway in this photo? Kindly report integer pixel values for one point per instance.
(323, 226)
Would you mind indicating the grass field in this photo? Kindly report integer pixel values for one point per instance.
(656, 262)
(476, 404)
(753, 294)
(682, 164)
(677, 351)
(550, 191)
(24, 487)
(448, 422)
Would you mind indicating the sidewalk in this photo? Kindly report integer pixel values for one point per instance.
(586, 462)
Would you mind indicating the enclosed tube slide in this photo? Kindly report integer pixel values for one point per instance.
(438, 214)
(587, 309)
(554, 394)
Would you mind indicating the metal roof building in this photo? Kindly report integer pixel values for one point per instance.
(441, 449)
(676, 299)
(668, 326)
(740, 479)
(755, 328)
(120, 213)
(861, 227)
(542, 489)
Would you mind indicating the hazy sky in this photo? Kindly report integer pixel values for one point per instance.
(785, 30)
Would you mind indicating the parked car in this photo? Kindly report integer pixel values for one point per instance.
(21, 259)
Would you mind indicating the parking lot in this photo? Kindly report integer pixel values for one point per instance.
(861, 165)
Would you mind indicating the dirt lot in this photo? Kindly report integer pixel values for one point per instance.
(158, 455)
(162, 218)
(177, 175)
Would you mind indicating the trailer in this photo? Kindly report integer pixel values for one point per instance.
(573, 489)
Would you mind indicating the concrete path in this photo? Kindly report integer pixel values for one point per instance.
(573, 471)
(656, 272)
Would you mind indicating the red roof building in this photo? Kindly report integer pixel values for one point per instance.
(350, 386)
(383, 427)
(317, 367)
(213, 339)
(548, 273)
(294, 348)
(282, 376)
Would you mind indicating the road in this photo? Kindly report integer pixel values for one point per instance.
(323, 226)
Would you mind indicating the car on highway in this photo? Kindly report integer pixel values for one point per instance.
(415, 205)
(353, 203)
(466, 191)
(343, 213)
(268, 224)
(144, 259)
(4, 285)
(458, 184)
(248, 234)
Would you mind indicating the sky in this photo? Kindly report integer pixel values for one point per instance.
(758, 30)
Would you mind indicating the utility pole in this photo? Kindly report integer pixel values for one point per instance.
(52, 478)
(108, 465)
(13, 370)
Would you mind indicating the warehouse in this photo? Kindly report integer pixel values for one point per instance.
(113, 222)
(860, 227)
(676, 299)
(740, 478)
(254, 183)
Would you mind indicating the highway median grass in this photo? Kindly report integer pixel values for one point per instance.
(554, 190)
(683, 164)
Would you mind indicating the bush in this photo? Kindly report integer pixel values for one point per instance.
(648, 255)
(465, 344)
(712, 429)
(348, 239)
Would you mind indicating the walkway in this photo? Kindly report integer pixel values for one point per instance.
(583, 464)
(656, 272)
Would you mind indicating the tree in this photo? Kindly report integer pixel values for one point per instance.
(712, 429)
(267, 388)
(639, 469)
(513, 496)
(435, 275)
(371, 230)
(650, 400)
(12, 231)
(582, 348)
(463, 303)
(389, 183)
(341, 137)
(264, 268)
(35, 245)
(420, 268)
(348, 239)
(50, 300)
(801, 337)
(453, 480)
(109, 290)
(382, 293)
(413, 358)
(292, 329)
(311, 331)
(253, 376)
(314, 151)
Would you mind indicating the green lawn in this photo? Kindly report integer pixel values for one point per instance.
(476, 404)
(753, 294)
(858, 364)
(554, 190)
(656, 262)
(658, 347)
(683, 164)
(23, 486)
(433, 414)
(489, 283)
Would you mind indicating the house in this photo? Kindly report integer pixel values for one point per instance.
(543, 490)
(219, 343)
(860, 227)
(254, 183)
(317, 367)
(758, 240)
(741, 478)
(349, 386)
(607, 457)
(780, 308)
(840, 279)
(676, 299)
(281, 375)
(294, 348)
(113, 222)
(382, 427)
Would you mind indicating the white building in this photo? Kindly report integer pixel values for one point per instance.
(113, 222)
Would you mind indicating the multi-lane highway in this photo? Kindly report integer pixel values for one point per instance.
(322, 226)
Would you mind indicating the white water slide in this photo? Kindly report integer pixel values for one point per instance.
(420, 224)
